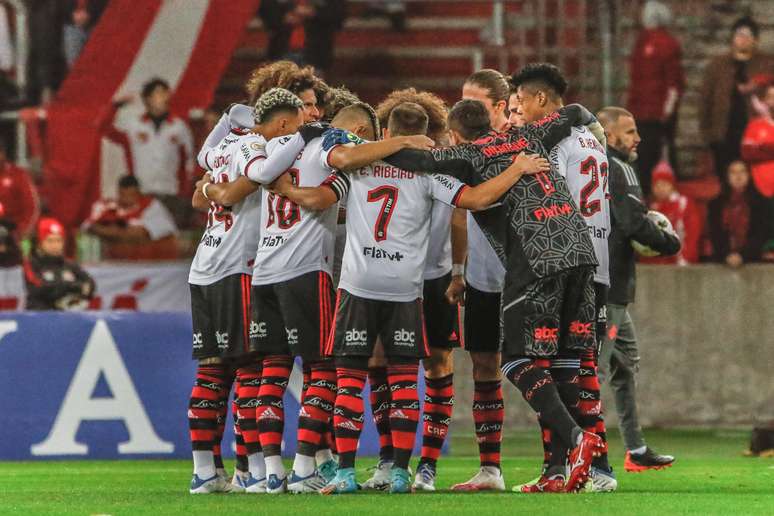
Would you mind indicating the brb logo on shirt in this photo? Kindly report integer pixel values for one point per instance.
(356, 337)
(403, 338)
(258, 330)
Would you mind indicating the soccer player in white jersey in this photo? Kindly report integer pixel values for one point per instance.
(292, 295)
(388, 222)
(581, 159)
(220, 278)
(477, 281)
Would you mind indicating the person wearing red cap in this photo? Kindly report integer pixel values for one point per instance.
(52, 281)
(680, 211)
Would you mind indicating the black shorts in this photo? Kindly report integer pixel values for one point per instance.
(600, 312)
(221, 317)
(293, 317)
(441, 317)
(359, 321)
(482, 320)
(551, 316)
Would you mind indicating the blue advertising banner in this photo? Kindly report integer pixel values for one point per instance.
(107, 385)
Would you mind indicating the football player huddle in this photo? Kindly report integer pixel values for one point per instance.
(483, 226)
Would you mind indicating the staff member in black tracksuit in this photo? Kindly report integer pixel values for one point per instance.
(618, 357)
(53, 282)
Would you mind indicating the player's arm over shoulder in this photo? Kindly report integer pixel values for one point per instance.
(345, 151)
(317, 198)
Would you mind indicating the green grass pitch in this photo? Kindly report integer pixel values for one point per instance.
(709, 477)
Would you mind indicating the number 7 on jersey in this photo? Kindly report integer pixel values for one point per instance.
(389, 196)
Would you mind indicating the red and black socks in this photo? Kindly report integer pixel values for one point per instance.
(204, 407)
(248, 389)
(314, 416)
(590, 404)
(488, 416)
(541, 393)
(380, 409)
(404, 411)
(439, 401)
(270, 413)
(348, 413)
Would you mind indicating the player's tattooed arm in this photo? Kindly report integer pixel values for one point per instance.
(351, 157)
(452, 161)
(490, 191)
(226, 194)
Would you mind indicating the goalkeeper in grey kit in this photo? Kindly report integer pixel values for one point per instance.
(618, 356)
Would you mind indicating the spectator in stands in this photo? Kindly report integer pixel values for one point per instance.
(10, 254)
(160, 150)
(656, 83)
(18, 196)
(758, 144)
(680, 211)
(80, 18)
(53, 282)
(726, 92)
(738, 219)
(46, 62)
(134, 227)
(303, 31)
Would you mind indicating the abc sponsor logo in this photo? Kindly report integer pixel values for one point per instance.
(403, 337)
(581, 329)
(222, 339)
(356, 337)
(258, 330)
(198, 340)
(546, 334)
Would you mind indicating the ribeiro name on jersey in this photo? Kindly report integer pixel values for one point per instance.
(388, 229)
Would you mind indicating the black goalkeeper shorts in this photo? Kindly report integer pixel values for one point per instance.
(551, 316)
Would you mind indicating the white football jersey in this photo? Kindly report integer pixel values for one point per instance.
(388, 229)
(295, 240)
(230, 240)
(439, 258)
(483, 270)
(582, 161)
